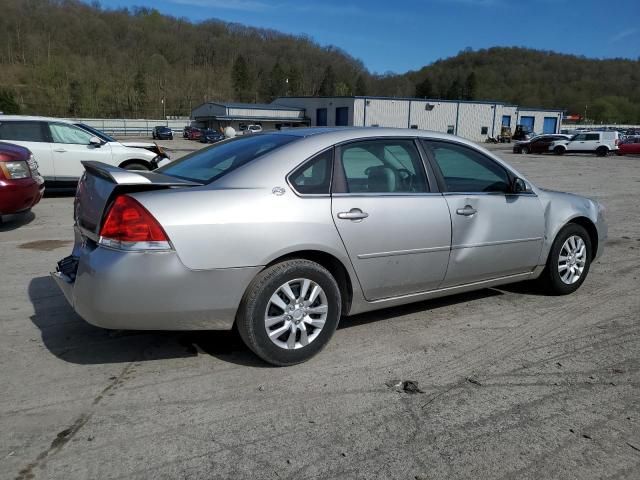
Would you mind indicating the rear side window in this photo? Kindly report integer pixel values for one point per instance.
(314, 176)
(22, 131)
(593, 136)
(383, 166)
(211, 163)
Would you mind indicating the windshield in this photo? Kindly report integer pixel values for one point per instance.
(209, 164)
(96, 132)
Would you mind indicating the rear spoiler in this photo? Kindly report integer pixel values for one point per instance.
(120, 176)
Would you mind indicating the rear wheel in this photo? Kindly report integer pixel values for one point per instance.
(568, 262)
(289, 312)
(602, 151)
(524, 150)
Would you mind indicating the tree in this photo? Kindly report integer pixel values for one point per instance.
(454, 91)
(75, 97)
(424, 89)
(241, 79)
(361, 86)
(328, 85)
(139, 90)
(470, 85)
(277, 82)
(342, 89)
(8, 103)
(295, 81)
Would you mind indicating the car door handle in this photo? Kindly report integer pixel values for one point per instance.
(353, 214)
(467, 211)
(59, 150)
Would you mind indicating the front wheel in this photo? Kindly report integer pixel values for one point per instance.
(524, 150)
(559, 150)
(289, 312)
(568, 262)
(136, 166)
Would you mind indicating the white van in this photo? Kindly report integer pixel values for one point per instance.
(600, 143)
(60, 145)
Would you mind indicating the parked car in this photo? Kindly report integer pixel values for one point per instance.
(522, 133)
(21, 186)
(160, 152)
(600, 143)
(539, 144)
(162, 133)
(293, 243)
(630, 146)
(194, 134)
(185, 132)
(211, 136)
(248, 129)
(59, 146)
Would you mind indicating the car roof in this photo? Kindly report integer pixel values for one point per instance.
(28, 118)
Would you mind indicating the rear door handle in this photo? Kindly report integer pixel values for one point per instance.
(467, 211)
(59, 150)
(353, 214)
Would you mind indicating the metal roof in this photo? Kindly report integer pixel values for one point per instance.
(252, 106)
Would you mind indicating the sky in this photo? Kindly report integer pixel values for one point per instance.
(401, 35)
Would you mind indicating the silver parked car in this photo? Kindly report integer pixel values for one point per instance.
(283, 233)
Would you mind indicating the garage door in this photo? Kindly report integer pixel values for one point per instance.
(528, 122)
(550, 124)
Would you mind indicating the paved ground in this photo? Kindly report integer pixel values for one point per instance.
(516, 384)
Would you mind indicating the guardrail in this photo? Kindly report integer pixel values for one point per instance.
(123, 127)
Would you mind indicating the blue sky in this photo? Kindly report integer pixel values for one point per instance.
(404, 35)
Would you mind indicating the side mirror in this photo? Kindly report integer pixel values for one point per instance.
(519, 186)
(95, 141)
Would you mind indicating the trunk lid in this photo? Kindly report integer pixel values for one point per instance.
(101, 183)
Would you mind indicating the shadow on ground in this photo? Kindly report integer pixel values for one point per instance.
(15, 221)
(71, 339)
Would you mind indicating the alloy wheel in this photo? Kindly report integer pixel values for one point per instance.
(296, 313)
(572, 259)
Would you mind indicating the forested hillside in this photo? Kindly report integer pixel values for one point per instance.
(64, 57)
(608, 89)
(68, 58)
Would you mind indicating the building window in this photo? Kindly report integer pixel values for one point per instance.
(450, 129)
(414, 127)
(342, 116)
(484, 130)
(321, 117)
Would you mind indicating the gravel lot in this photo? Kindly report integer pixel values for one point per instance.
(514, 384)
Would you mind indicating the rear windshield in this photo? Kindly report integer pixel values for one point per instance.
(209, 164)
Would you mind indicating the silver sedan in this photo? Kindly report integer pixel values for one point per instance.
(281, 234)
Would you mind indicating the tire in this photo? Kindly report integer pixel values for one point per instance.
(602, 151)
(524, 150)
(257, 306)
(136, 166)
(559, 150)
(552, 277)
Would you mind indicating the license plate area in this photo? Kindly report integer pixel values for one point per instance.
(68, 267)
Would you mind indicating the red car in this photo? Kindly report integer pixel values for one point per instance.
(21, 186)
(631, 146)
(194, 134)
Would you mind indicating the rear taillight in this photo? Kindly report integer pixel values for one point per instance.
(130, 226)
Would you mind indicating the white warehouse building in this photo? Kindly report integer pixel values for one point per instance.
(474, 120)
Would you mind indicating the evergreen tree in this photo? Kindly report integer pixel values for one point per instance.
(361, 86)
(8, 103)
(470, 85)
(328, 85)
(295, 81)
(424, 89)
(241, 79)
(277, 82)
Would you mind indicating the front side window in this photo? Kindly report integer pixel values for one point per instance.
(22, 131)
(63, 133)
(467, 171)
(314, 177)
(383, 166)
(211, 163)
